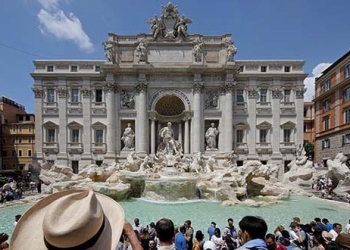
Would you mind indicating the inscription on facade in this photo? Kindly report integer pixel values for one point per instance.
(170, 56)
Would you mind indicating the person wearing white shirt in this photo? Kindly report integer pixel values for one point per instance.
(335, 231)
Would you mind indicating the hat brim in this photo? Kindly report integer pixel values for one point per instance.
(28, 233)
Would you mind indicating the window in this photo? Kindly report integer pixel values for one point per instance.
(75, 135)
(75, 95)
(346, 138)
(326, 143)
(239, 136)
(4, 153)
(327, 85)
(286, 68)
(239, 96)
(286, 135)
(73, 68)
(326, 123)
(19, 140)
(20, 128)
(29, 152)
(30, 128)
(98, 136)
(241, 68)
(51, 135)
(286, 96)
(29, 139)
(97, 68)
(347, 71)
(347, 115)
(327, 105)
(263, 134)
(14, 128)
(263, 95)
(346, 94)
(98, 95)
(20, 153)
(50, 95)
(263, 68)
(49, 68)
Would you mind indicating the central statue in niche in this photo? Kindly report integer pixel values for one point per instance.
(169, 146)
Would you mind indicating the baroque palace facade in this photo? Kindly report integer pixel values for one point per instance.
(148, 80)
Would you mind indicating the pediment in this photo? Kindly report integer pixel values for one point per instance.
(50, 124)
(74, 124)
(240, 125)
(264, 124)
(98, 124)
(288, 124)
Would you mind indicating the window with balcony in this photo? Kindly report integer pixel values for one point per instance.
(263, 95)
(75, 135)
(239, 135)
(98, 95)
(49, 68)
(326, 105)
(286, 135)
(75, 96)
(327, 85)
(326, 143)
(29, 139)
(99, 136)
(346, 94)
(30, 128)
(263, 135)
(51, 135)
(29, 153)
(347, 115)
(286, 95)
(240, 97)
(347, 71)
(50, 95)
(326, 123)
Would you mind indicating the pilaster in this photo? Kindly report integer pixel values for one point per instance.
(86, 157)
(38, 94)
(62, 114)
(197, 124)
(251, 132)
(142, 122)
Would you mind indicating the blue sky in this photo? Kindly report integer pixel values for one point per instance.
(316, 31)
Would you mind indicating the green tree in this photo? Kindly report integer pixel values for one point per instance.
(309, 149)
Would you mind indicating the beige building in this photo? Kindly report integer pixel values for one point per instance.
(17, 136)
(83, 107)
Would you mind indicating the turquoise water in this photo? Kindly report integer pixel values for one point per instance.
(202, 213)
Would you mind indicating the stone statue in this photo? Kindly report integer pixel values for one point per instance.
(167, 134)
(157, 27)
(230, 159)
(144, 165)
(141, 52)
(231, 51)
(181, 26)
(209, 164)
(301, 157)
(127, 100)
(128, 138)
(198, 52)
(197, 162)
(210, 137)
(109, 51)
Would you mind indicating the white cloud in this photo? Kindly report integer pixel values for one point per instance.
(309, 82)
(55, 22)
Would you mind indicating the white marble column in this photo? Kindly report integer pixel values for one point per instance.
(229, 86)
(197, 121)
(39, 135)
(142, 129)
(179, 138)
(87, 133)
(63, 130)
(187, 137)
(153, 136)
(109, 90)
(252, 131)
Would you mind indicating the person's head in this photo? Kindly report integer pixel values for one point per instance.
(325, 221)
(209, 245)
(187, 223)
(253, 227)
(17, 217)
(270, 241)
(182, 229)
(343, 241)
(230, 222)
(317, 220)
(199, 236)
(285, 234)
(294, 226)
(165, 230)
(296, 220)
(3, 237)
(337, 227)
(217, 232)
(137, 221)
(72, 218)
(152, 225)
(318, 237)
(145, 230)
(279, 228)
(213, 224)
(151, 244)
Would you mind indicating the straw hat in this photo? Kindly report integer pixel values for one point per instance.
(343, 240)
(67, 219)
(327, 236)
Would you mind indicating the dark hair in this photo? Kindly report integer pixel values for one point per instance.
(199, 235)
(336, 224)
(229, 219)
(217, 230)
(188, 222)
(165, 230)
(319, 238)
(325, 221)
(152, 224)
(255, 226)
(285, 234)
(182, 229)
(317, 219)
(270, 236)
